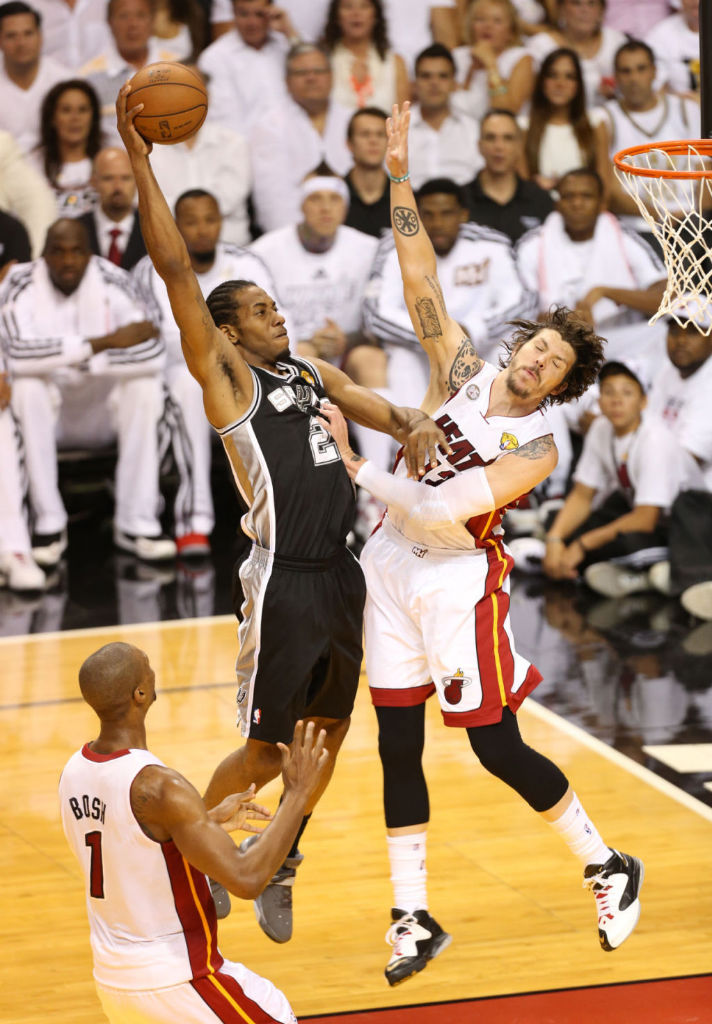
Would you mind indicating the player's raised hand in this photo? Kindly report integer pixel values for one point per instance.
(397, 132)
(305, 760)
(130, 136)
(238, 811)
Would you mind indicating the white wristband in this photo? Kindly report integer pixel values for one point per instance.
(465, 495)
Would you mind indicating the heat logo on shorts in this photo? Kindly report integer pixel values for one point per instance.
(453, 686)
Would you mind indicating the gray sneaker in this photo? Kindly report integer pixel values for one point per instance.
(273, 906)
(221, 899)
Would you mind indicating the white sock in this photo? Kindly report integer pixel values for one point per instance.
(580, 834)
(408, 872)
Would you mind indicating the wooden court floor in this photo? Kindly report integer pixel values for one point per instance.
(500, 881)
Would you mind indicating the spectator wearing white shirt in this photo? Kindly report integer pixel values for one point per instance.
(130, 48)
(295, 136)
(481, 289)
(18, 569)
(641, 115)
(197, 216)
(25, 76)
(675, 41)
(113, 226)
(320, 268)
(24, 193)
(630, 471)
(415, 24)
(217, 160)
(581, 257)
(87, 371)
(181, 25)
(70, 138)
(73, 31)
(245, 66)
(443, 142)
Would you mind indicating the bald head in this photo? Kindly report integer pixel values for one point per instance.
(109, 677)
(67, 254)
(113, 179)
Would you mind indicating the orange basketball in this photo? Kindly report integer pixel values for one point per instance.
(174, 102)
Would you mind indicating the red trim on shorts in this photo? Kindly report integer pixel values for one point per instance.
(491, 715)
(407, 698)
(196, 912)
(226, 998)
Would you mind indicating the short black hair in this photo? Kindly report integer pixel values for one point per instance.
(15, 7)
(632, 46)
(614, 368)
(223, 302)
(578, 333)
(361, 112)
(499, 112)
(442, 186)
(581, 172)
(193, 193)
(436, 51)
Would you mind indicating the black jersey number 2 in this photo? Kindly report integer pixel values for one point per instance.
(322, 444)
(96, 865)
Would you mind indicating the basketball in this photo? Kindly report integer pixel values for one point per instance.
(174, 102)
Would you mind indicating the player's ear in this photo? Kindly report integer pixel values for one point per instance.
(230, 332)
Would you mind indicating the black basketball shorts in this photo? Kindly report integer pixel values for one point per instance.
(300, 640)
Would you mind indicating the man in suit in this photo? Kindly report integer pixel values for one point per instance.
(113, 227)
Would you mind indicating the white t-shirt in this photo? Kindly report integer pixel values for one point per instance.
(451, 152)
(314, 286)
(409, 26)
(480, 284)
(684, 406)
(656, 466)
(475, 100)
(20, 108)
(73, 35)
(677, 54)
(219, 162)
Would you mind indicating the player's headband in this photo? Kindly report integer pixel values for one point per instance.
(325, 183)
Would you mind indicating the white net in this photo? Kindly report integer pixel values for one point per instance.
(678, 211)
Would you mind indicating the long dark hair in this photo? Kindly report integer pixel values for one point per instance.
(49, 140)
(541, 110)
(190, 13)
(332, 31)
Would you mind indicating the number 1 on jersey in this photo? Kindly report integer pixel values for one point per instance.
(96, 870)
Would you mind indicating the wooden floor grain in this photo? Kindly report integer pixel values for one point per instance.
(499, 879)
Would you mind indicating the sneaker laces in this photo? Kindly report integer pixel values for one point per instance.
(601, 891)
(398, 930)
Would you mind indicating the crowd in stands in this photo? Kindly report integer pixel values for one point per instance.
(518, 106)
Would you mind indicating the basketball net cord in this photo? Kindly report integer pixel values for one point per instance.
(678, 212)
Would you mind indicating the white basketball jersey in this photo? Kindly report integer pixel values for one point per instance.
(476, 440)
(151, 917)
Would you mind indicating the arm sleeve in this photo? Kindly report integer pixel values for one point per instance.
(465, 495)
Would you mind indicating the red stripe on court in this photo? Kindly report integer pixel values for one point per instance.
(227, 999)
(671, 1001)
(196, 911)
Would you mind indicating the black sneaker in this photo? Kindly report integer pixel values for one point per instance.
(416, 938)
(273, 906)
(616, 885)
(221, 899)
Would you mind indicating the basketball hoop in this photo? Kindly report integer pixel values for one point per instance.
(671, 183)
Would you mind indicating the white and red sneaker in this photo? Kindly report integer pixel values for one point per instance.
(616, 886)
(416, 939)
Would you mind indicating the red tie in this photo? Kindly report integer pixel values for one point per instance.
(115, 253)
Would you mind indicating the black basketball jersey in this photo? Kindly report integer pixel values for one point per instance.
(287, 469)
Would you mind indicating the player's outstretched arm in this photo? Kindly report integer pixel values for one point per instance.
(167, 806)
(201, 339)
(442, 338)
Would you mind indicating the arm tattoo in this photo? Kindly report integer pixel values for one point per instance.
(536, 448)
(465, 365)
(405, 220)
(435, 285)
(429, 322)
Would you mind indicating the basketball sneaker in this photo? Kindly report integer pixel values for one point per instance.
(221, 899)
(273, 906)
(616, 885)
(416, 938)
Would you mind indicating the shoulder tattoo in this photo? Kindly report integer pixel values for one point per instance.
(465, 365)
(537, 448)
(405, 220)
(428, 317)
